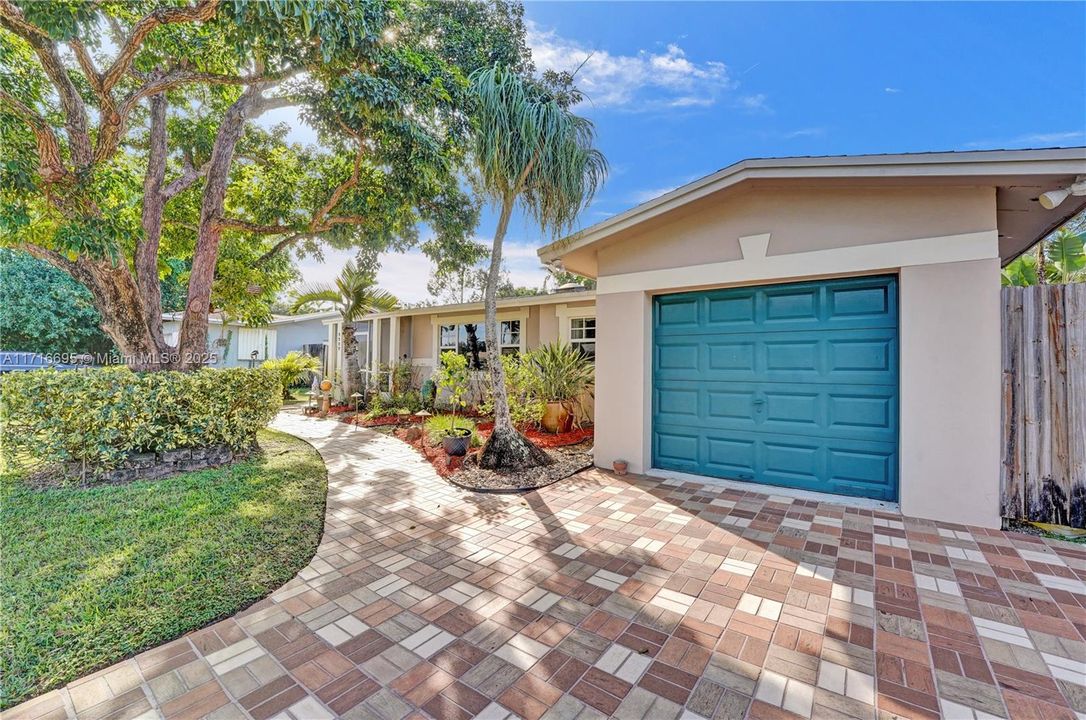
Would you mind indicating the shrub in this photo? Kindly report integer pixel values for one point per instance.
(522, 389)
(294, 369)
(96, 417)
(438, 428)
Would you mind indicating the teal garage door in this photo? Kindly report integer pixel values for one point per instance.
(793, 385)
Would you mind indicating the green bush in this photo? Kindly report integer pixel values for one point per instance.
(96, 417)
(438, 428)
(521, 388)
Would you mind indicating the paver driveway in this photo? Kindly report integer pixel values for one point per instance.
(624, 596)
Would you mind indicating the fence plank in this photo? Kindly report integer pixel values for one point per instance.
(1075, 353)
(1012, 502)
(1043, 475)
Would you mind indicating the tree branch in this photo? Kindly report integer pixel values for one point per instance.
(259, 229)
(184, 181)
(203, 10)
(338, 193)
(50, 165)
(75, 110)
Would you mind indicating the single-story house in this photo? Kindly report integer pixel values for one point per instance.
(826, 324)
(238, 345)
(419, 335)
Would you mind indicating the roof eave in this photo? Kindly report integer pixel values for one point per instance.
(964, 164)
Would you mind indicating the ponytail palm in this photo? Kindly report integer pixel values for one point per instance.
(354, 295)
(529, 151)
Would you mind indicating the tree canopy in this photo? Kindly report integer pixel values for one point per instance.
(43, 310)
(130, 139)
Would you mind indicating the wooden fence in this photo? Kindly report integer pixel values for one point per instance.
(1044, 404)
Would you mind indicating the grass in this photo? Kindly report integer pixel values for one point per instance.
(94, 575)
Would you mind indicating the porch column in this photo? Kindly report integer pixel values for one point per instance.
(393, 345)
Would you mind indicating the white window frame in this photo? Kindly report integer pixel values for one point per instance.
(439, 321)
(566, 316)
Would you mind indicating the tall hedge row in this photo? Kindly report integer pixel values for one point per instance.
(99, 416)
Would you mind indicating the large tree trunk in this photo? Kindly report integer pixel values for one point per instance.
(192, 343)
(351, 379)
(506, 448)
(117, 298)
(154, 206)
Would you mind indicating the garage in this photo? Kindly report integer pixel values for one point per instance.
(794, 385)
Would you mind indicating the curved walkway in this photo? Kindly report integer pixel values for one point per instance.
(624, 596)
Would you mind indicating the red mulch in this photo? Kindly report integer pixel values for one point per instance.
(434, 454)
(542, 438)
(446, 465)
(361, 419)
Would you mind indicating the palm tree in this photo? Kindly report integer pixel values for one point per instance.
(354, 295)
(528, 149)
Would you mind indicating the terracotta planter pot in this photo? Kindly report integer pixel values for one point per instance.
(619, 466)
(457, 445)
(557, 418)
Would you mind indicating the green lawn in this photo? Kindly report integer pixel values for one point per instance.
(91, 576)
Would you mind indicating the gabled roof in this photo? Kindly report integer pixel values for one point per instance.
(1004, 169)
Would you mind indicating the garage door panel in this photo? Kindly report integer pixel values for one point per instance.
(679, 450)
(678, 405)
(849, 411)
(845, 411)
(861, 354)
(793, 385)
(867, 356)
(849, 303)
(733, 457)
(857, 468)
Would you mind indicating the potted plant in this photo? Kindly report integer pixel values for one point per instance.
(564, 375)
(453, 378)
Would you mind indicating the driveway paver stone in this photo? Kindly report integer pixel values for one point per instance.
(626, 596)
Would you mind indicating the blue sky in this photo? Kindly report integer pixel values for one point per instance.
(678, 90)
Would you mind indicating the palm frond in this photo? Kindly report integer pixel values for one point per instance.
(310, 295)
(531, 149)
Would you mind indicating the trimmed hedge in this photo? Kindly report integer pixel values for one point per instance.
(97, 417)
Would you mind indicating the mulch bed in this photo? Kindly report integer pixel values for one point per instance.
(542, 438)
(569, 451)
(568, 460)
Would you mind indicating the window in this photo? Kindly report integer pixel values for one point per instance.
(582, 335)
(469, 339)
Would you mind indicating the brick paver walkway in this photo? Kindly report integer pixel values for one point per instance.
(620, 596)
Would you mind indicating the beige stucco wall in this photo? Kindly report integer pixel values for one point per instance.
(801, 219)
(950, 391)
(949, 313)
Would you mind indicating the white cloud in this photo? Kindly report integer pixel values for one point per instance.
(1051, 137)
(891, 90)
(642, 196)
(805, 132)
(642, 81)
(754, 103)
